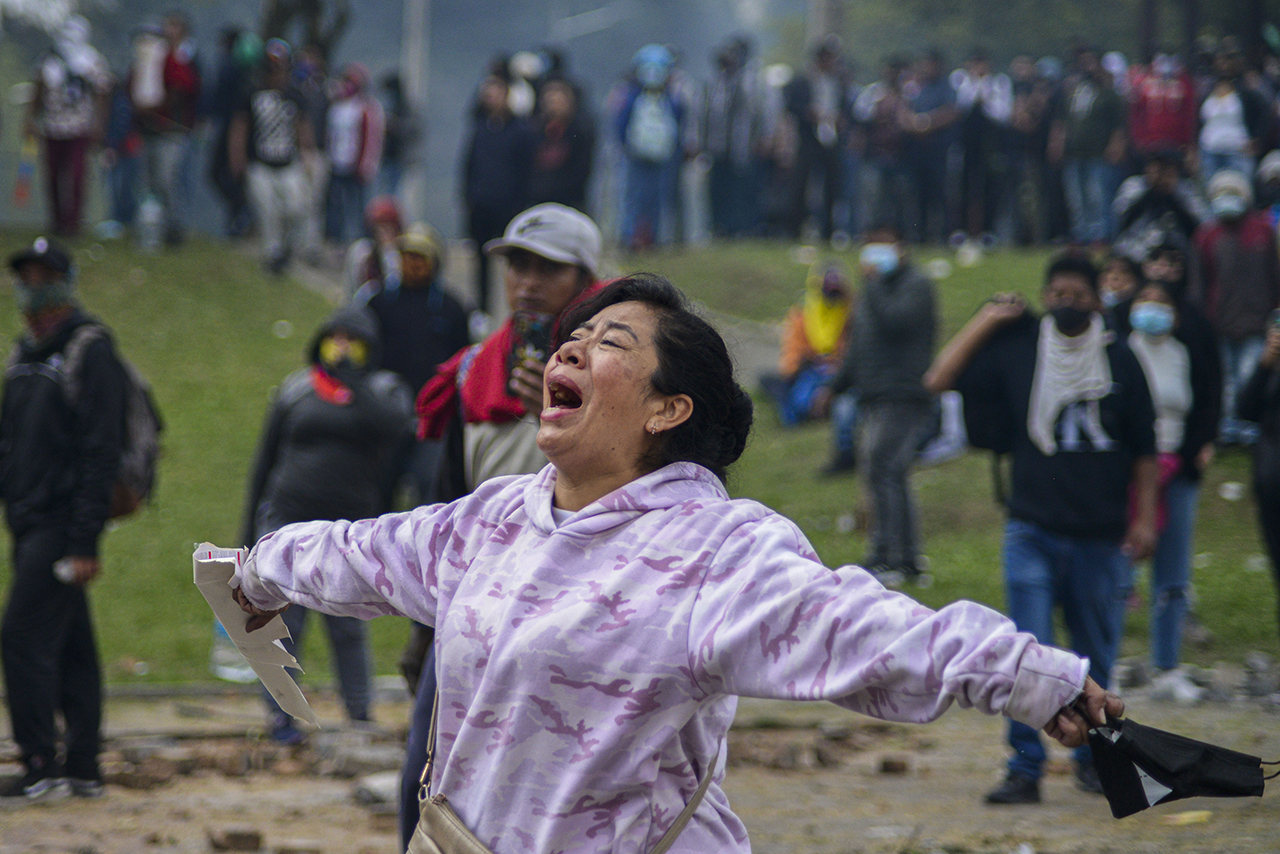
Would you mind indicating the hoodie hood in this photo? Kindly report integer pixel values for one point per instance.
(356, 321)
(669, 486)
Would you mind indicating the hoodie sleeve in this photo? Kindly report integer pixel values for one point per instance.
(399, 564)
(771, 621)
(100, 415)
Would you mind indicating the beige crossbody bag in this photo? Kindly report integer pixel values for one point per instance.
(440, 831)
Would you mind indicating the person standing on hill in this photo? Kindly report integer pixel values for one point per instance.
(60, 451)
(1070, 404)
(68, 111)
(330, 437)
(893, 335)
(270, 133)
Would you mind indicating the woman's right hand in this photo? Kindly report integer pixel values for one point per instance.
(257, 616)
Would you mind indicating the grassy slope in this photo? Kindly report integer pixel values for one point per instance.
(200, 324)
(959, 521)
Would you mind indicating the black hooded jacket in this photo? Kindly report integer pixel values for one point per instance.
(325, 460)
(58, 457)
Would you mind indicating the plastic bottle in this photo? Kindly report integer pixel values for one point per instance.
(225, 661)
(150, 224)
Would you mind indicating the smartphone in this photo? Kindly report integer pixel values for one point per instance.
(530, 339)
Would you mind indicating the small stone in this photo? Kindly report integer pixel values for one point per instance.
(300, 846)
(236, 838)
(894, 765)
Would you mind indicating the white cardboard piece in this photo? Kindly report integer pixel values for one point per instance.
(214, 568)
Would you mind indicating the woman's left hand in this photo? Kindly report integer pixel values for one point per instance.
(257, 616)
(1070, 726)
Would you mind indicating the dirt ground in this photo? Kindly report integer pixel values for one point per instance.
(804, 777)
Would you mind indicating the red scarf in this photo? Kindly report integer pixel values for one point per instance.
(329, 388)
(477, 374)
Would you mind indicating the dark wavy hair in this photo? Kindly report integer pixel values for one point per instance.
(692, 360)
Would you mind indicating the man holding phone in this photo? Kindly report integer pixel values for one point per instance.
(552, 255)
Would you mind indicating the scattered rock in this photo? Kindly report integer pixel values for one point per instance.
(300, 846)
(360, 760)
(380, 788)
(894, 765)
(235, 838)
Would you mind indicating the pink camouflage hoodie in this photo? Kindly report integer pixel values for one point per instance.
(589, 670)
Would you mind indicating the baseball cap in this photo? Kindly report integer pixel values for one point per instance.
(44, 252)
(555, 232)
(420, 239)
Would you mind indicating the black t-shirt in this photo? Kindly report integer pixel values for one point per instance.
(1083, 489)
(273, 125)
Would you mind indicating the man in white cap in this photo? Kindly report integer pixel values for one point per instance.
(489, 396)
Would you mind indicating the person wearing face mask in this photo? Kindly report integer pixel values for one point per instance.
(355, 125)
(58, 463)
(331, 433)
(1069, 403)
(893, 336)
(1186, 393)
(1235, 280)
(1118, 281)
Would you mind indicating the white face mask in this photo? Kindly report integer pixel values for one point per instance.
(881, 257)
(1227, 206)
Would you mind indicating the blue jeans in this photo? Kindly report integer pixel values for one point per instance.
(1084, 184)
(349, 648)
(1171, 572)
(1088, 579)
(642, 202)
(1239, 360)
(844, 421)
(415, 748)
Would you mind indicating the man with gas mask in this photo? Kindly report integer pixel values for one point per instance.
(331, 433)
(1069, 403)
(1235, 280)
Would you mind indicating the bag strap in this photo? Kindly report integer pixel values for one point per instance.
(668, 838)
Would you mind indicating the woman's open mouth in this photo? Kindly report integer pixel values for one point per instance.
(563, 396)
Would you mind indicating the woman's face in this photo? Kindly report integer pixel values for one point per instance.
(598, 398)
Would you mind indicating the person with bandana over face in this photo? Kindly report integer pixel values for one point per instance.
(333, 430)
(1235, 279)
(1069, 402)
(58, 462)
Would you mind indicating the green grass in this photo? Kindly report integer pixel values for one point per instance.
(201, 325)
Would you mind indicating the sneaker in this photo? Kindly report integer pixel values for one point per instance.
(85, 788)
(1087, 779)
(285, 733)
(34, 787)
(1016, 789)
(842, 463)
(1174, 686)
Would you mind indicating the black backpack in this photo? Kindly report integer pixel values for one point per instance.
(140, 453)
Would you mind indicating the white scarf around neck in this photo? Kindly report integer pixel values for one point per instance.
(1068, 369)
